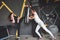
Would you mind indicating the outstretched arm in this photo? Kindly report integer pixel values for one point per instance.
(12, 18)
(18, 19)
(31, 17)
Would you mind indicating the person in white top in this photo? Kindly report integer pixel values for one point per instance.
(40, 24)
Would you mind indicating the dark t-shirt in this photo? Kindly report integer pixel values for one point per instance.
(15, 17)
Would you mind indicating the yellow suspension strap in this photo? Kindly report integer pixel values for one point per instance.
(21, 14)
(23, 6)
(3, 4)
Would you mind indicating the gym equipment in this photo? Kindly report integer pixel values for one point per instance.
(28, 14)
(53, 29)
(3, 32)
(34, 3)
(3, 4)
(50, 18)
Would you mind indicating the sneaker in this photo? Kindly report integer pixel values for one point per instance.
(18, 37)
(40, 38)
(53, 38)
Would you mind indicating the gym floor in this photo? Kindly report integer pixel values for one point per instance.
(29, 37)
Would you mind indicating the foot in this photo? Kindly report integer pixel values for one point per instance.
(54, 38)
(18, 38)
(40, 38)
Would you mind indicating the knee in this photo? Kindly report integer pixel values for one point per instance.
(36, 31)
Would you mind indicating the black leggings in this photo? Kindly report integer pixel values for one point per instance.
(17, 27)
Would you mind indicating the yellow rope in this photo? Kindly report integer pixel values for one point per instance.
(8, 8)
(1, 6)
(21, 14)
(16, 33)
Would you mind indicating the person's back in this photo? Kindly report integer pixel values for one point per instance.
(36, 18)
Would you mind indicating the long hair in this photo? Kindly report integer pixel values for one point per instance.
(9, 17)
(32, 8)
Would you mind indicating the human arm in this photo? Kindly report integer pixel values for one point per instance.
(12, 18)
(18, 19)
(31, 17)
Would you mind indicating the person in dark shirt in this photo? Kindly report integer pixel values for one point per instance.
(15, 21)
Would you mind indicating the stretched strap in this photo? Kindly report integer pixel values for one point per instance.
(23, 6)
(3, 4)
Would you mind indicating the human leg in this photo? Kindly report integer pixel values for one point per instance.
(45, 28)
(36, 30)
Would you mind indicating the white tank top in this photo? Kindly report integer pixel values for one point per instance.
(36, 18)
